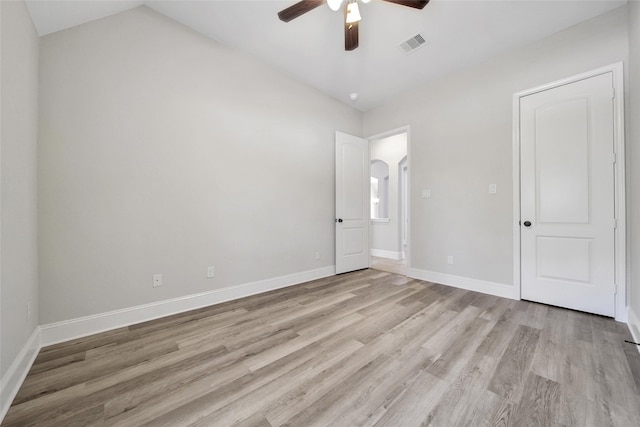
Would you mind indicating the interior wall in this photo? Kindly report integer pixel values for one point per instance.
(633, 164)
(385, 236)
(461, 142)
(163, 152)
(19, 131)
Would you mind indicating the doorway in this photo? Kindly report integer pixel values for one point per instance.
(569, 193)
(389, 201)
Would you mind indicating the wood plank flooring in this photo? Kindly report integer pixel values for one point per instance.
(368, 348)
(389, 265)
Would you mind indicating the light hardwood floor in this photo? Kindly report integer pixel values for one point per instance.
(389, 265)
(368, 348)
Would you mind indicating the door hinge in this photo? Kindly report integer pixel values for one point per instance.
(615, 223)
(615, 289)
(613, 93)
(614, 158)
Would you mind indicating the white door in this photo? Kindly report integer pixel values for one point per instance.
(352, 203)
(567, 196)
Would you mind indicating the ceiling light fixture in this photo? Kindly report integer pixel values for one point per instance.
(335, 4)
(353, 13)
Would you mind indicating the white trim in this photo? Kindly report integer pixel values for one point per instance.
(634, 326)
(620, 194)
(620, 203)
(17, 372)
(516, 197)
(380, 220)
(483, 286)
(386, 134)
(80, 327)
(381, 253)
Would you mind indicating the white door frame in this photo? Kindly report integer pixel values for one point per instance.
(403, 129)
(619, 178)
(403, 201)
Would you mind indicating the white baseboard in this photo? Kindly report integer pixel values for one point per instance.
(387, 254)
(485, 287)
(76, 328)
(633, 322)
(17, 372)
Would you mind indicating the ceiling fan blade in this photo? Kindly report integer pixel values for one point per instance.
(416, 4)
(302, 7)
(350, 36)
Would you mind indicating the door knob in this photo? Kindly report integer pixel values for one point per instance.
(527, 223)
(339, 220)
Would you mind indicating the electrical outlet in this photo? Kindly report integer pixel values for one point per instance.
(211, 272)
(450, 259)
(493, 188)
(157, 280)
(317, 255)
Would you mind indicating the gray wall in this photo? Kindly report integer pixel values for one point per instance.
(386, 235)
(19, 132)
(162, 151)
(633, 164)
(461, 141)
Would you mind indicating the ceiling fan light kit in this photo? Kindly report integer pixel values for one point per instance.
(351, 13)
(334, 4)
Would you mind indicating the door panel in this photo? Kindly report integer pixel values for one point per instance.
(352, 207)
(353, 169)
(563, 169)
(353, 239)
(564, 258)
(567, 195)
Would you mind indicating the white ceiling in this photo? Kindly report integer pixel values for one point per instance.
(311, 47)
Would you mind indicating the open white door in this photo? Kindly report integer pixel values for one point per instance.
(352, 203)
(567, 196)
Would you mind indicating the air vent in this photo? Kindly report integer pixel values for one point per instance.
(413, 43)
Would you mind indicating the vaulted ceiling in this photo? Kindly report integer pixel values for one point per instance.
(311, 47)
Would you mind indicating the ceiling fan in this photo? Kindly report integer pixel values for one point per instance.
(351, 14)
